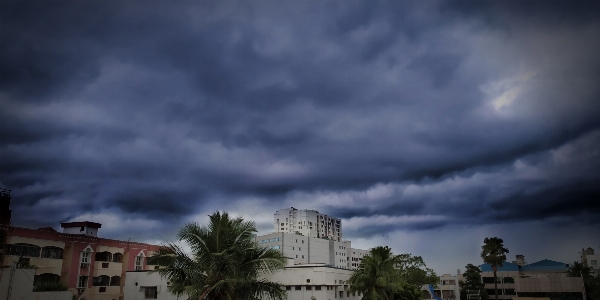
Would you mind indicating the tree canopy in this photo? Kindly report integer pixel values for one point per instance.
(472, 285)
(493, 252)
(225, 262)
(382, 275)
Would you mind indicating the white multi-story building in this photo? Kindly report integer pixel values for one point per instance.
(308, 223)
(591, 260)
(309, 237)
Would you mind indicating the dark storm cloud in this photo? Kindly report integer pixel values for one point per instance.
(450, 112)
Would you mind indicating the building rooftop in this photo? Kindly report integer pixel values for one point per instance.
(79, 224)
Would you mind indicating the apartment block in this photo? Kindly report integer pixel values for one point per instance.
(309, 237)
(91, 266)
(307, 223)
(590, 259)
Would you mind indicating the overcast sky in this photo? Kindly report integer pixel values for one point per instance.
(425, 126)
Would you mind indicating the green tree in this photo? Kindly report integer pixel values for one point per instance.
(377, 278)
(590, 283)
(225, 262)
(493, 252)
(414, 274)
(472, 283)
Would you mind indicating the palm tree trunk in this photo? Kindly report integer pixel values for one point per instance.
(495, 285)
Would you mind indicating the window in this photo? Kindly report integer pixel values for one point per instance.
(104, 265)
(150, 292)
(302, 241)
(24, 250)
(82, 282)
(288, 288)
(81, 228)
(118, 257)
(298, 287)
(52, 252)
(115, 281)
(85, 257)
(302, 256)
(104, 256)
(296, 255)
(45, 278)
(317, 287)
(139, 265)
(341, 294)
(509, 280)
(509, 292)
(102, 280)
(102, 289)
(308, 287)
(594, 262)
(293, 248)
(488, 280)
(299, 249)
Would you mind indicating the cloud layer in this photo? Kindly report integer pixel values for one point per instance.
(402, 118)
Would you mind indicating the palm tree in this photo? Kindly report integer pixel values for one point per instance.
(377, 277)
(493, 252)
(225, 262)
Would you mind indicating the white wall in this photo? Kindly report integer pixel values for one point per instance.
(22, 286)
(131, 291)
(302, 282)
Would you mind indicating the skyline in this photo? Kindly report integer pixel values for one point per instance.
(424, 126)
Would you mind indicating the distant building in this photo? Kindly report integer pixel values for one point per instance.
(446, 289)
(589, 259)
(5, 212)
(309, 237)
(77, 257)
(308, 223)
(542, 279)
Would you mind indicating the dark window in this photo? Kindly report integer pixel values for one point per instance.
(115, 281)
(341, 294)
(509, 280)
(288, 288)
(24, 250)
(52, 252)
(45, 278)
(317, 287)
(490, 292)
(117, 257)
(297, 288)
(150, 292)
(104, 256)
(488, 279)
(81, 228)
(102, 289)
(102, 280)
(509, 292)
(308, 287)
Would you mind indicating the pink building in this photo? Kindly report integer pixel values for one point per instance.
(93, 266)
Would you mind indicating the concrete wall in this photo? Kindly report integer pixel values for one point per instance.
(20, 282)
(323, 283)
(136, 280)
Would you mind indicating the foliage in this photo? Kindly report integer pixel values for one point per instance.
(472, 283)
(415, 274)
(51, 287)
(493, 252)
(225, 262)
(383, 275)
(591, 283)
(377, 278)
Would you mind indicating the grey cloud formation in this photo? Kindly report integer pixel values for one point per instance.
(396, 116)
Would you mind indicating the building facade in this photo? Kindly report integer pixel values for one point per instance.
(89, 265)
(446, 289)
(308, 223)
(590, 259)
(309, 237)
(542, 279)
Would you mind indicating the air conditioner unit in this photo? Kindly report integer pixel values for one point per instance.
(80, 290)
